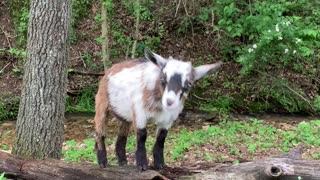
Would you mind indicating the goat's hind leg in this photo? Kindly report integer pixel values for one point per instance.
(121, 143)
(101, 108)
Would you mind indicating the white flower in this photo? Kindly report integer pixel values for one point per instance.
(280, 38)
(277, 28)
(294, 51)
(269, 31)
(288, 23)
(286, 51)
(254, 46)
(250, 50)
(298, 40)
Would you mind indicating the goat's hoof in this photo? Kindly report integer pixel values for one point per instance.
(102, 164)
(158, 166)
(143, 168)
(102, 158)
(123, 163)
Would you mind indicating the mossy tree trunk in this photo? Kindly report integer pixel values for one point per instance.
(39, 129)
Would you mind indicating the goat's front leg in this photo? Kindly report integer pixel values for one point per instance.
(141, 154)
(158, 149)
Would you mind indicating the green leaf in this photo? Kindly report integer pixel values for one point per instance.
(311, 33)
(305, 51)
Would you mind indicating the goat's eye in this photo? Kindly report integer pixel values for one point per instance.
(187, 86)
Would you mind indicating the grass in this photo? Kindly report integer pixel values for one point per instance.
(84, 102)
(229, 140)
(2, 177)
(76, 153)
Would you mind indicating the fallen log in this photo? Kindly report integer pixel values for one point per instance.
(16, 167)
(284, 167)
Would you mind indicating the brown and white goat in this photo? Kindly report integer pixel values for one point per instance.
(137, 91)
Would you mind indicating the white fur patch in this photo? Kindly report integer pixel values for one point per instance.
(174, 66)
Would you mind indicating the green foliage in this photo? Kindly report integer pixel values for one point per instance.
(228, 137)
(220, 103)
(83, 152)
(2, 176)
(21, 54)
(132, 9)
(316, 102)
(9, 106)
(84, 102)
(88, 59)
(131, 144)
(256, 136)
(79, 10)
(19, 10)
(271, 39)
(4, 147)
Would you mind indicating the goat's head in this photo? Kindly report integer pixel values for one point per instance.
(177, 77)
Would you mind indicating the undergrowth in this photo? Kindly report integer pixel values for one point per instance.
(9, 106)
(84, 102)
(229, 140)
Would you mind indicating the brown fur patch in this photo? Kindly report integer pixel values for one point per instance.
(123, 65)
(134, 120)
(124, 128)
(101, 106)
(151, 98)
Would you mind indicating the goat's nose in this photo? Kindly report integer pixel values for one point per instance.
(170, 102)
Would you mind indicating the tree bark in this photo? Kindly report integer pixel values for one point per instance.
(284, 167)
(105, 35)
(136, 32)
(19, 168)
(41, 112)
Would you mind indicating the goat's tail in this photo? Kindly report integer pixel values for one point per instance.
(101, 105)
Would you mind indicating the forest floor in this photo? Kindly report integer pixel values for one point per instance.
(196, 142)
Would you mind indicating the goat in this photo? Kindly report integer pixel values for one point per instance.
(136, 91)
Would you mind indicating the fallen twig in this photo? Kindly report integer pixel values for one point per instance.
(88, 73)
(4, 67)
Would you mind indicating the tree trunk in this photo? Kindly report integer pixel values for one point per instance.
(49, 169)
(41, 111)
(105, 36)
(136, 32)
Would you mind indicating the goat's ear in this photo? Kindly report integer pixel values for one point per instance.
(201, 71)
(155, 58)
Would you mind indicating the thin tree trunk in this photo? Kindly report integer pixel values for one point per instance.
(41, 111)
(105, 35)
(136, 33)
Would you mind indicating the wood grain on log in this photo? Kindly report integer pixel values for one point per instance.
(20, 168)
